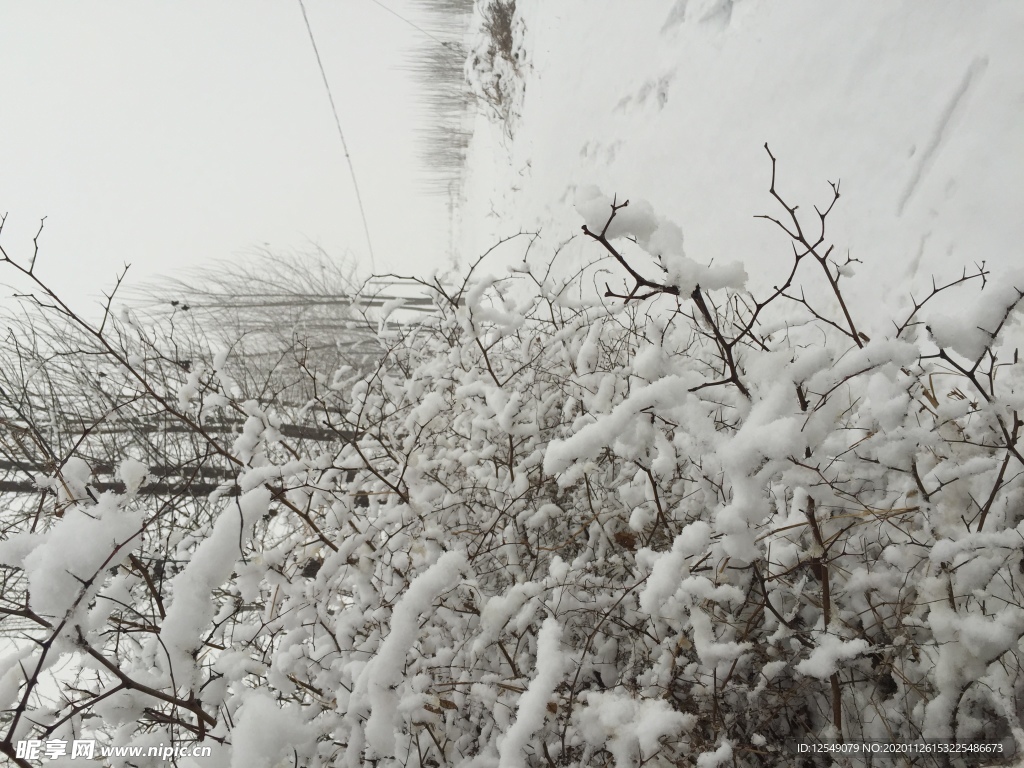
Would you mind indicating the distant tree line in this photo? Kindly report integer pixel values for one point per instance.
(438, 64)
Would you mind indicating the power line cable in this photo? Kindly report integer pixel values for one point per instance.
(414, 26)
(344, 145)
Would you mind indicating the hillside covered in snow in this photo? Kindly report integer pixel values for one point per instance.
(915, 108)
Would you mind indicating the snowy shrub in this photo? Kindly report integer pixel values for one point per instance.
(674, 525)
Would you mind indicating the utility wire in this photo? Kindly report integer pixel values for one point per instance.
(417, 28)
(344, 145)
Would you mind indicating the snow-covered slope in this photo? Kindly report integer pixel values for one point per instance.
(918, 108)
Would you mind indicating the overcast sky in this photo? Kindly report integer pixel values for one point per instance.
(169, 135)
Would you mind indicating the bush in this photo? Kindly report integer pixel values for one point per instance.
(686, 523)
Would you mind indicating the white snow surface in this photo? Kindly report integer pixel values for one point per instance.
(915, 108)
(532, 707)
(626, 725)
(382, 674)
(829, 652)
(267, 733)
(133, 474)
(192, 608)
(75, 551)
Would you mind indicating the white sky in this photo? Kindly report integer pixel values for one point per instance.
(170, 135)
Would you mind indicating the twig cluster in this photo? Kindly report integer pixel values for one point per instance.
(538, 527)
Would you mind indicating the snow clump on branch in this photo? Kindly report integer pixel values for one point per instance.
(659, 237)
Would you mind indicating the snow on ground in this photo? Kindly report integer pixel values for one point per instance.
(916, 108)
